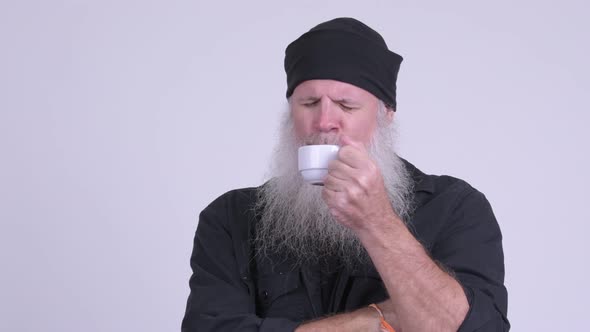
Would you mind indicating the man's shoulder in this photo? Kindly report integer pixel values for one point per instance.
(444, 204)
(235, 198)
(429, 186)
(234, 211)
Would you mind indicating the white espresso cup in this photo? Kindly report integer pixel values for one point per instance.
(313, 162)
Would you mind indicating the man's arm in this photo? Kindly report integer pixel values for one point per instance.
(472, 253)
(423, 297)
(472, 250)
(361, 320)
(220, 298)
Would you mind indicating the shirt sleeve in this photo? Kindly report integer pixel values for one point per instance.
(221, 299)
(471, 246)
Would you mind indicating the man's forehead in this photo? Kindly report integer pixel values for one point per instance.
(332, 88)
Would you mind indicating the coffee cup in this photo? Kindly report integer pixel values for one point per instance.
(313, 162)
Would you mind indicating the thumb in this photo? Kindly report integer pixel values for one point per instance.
(346, 140)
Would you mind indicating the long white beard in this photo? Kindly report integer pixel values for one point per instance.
(294, 220)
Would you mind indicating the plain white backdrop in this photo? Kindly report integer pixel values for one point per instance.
(121, 120)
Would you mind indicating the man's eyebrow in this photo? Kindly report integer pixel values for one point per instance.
(345, 101)
(307, 98)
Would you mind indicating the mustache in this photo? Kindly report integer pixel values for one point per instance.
(322, 139)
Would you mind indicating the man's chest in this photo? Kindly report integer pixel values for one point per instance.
(306, 293)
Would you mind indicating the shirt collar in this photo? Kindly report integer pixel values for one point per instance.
(422, 182)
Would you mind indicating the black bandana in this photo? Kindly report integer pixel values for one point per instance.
(346, 50)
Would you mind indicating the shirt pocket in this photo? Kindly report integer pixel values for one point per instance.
(282, 295)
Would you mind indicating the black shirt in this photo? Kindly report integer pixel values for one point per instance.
(234, 290)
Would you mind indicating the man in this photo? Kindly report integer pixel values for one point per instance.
(380, 247)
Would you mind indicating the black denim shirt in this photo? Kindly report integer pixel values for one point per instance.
(234, 290)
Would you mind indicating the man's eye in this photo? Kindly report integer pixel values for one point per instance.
(346, 108)
(311, 103)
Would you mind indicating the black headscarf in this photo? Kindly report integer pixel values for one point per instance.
(347, 50)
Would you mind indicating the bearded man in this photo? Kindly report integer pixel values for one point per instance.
(380, 246)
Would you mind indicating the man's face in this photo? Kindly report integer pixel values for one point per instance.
(294, 217)
(333, 108)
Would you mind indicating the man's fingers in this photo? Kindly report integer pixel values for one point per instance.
(347, 141)
(336, 201)
(352, 156)
(340, 170)
(334, 184)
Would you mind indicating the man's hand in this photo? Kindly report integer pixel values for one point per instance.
(423, 297)
(389, 315)
(361, 320)
(354, 189)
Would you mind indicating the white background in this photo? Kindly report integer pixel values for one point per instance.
(121, 120)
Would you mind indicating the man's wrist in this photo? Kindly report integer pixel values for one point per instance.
(379, 234)
(362, 320)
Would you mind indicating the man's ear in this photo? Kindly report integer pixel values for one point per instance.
(390, 115)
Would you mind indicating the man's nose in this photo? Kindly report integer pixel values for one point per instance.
(327, 118)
